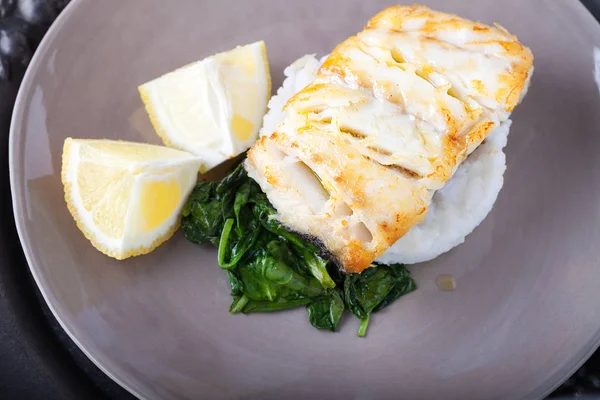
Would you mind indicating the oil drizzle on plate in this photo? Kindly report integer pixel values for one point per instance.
(445, 282)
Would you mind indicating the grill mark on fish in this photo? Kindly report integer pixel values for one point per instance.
(398, 168)
(380, 151)
(324, 120)
(353, 132)
(403, 170)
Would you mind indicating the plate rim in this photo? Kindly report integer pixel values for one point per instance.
(16, 122)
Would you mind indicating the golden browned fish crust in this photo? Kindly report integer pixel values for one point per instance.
(393, 112)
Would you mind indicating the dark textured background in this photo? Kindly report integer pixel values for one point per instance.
(37, 359)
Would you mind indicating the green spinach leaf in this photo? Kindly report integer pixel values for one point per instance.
(317, 267)
(403, 284)
(253, 306)
(233, 246)
(270, 268)
(202, 220)
(268, 277)
(326, 312)
(374, 289)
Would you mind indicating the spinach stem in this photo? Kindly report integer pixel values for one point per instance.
(223, 241)
(239, 306)
(364, 323)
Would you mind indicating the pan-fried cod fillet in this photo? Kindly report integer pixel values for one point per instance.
(393, 112)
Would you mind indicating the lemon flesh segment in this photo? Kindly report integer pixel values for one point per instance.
(160, 201)
(126, 197)
(212, 108)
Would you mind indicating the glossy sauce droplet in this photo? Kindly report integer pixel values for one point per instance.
(445, 282)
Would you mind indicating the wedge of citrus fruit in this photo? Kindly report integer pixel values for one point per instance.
(212, 108)
(126, 197)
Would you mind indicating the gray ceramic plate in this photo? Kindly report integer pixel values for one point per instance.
(526, 310)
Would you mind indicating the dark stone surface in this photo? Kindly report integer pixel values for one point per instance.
(37, 358)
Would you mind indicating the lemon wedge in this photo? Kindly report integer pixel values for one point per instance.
(126, 197)
(212, 108)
